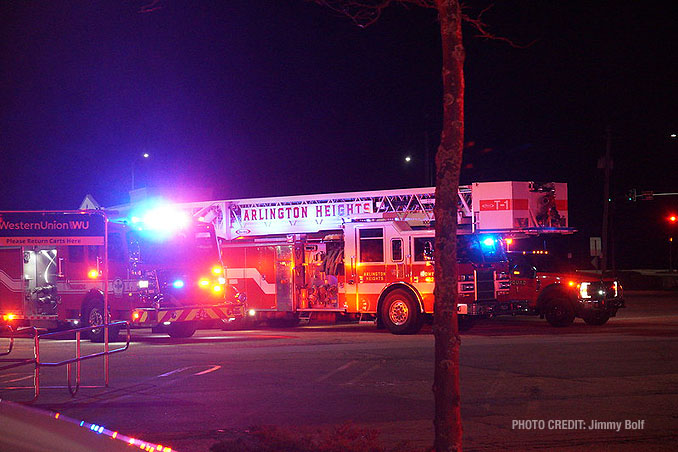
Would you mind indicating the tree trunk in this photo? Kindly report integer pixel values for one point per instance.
(448, 431)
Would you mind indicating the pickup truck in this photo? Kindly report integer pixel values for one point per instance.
(541, 285)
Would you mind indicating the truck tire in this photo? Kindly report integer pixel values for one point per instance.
(559, 311)
(400, 313)
(596, 317)
(93, 315)
(181, 329)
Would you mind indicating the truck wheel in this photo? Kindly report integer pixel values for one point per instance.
(559, 312)
(400, 313)
(596, 317)
(94, 315)
(181, 329)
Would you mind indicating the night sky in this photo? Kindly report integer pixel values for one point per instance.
(268, 98)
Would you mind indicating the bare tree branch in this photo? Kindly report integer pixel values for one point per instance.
(481, 27)
(152, 5)
(364, 13)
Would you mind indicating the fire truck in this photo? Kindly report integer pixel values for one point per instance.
(369, 255)
(162, 270)
(542, 285)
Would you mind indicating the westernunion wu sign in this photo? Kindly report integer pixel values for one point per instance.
(51, 228)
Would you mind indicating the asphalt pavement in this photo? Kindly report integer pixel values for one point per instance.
(525, 385)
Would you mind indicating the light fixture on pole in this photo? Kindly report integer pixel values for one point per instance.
(145, 155)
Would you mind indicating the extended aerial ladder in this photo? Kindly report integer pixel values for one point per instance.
(510, 208)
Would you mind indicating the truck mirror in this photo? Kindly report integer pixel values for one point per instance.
(532, 272)
(428, 251)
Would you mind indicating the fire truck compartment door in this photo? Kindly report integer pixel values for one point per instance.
(370, 266)
(283, 277)
(11, 280)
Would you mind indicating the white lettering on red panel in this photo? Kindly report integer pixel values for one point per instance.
(495, 204)
(307, 211)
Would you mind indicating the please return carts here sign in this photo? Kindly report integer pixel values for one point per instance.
(51, 228)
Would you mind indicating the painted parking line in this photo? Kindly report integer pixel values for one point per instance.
(337, 370)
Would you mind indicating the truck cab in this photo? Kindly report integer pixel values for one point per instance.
(542, 284)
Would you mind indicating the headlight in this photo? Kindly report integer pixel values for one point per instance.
(584, 290)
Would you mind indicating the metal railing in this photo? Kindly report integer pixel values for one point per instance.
(11, 340)
(37, 363)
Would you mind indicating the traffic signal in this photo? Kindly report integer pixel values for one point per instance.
(672, 218)
(646, 196)
(631, 195)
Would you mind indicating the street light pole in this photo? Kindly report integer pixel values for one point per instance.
(145, 155)
(605, 163)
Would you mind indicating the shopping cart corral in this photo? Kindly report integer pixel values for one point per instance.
(7, 361)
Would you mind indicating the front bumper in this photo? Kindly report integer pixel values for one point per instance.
(601, 304)
(151, 317)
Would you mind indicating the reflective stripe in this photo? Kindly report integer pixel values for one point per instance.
(254, 275)
(14, 285)
(186, 315)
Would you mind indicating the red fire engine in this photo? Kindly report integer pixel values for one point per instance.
(368, 255)
(158, 271)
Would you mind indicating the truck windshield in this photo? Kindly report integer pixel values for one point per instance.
(471, 248)
(182, 249)
(547, 263)
(474, 248)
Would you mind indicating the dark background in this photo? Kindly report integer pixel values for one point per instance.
(269, 98)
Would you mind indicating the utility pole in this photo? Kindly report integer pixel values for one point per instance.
(606, 164)
(427, 161)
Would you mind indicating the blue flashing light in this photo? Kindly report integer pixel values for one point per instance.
(178, 284)
(489, 241)
(82, 423)
(159, 218)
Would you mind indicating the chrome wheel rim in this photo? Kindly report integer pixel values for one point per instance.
(95, 318)
(398, 313)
